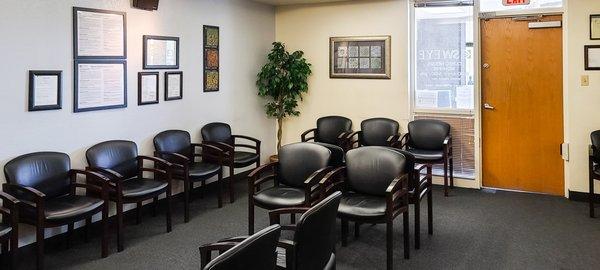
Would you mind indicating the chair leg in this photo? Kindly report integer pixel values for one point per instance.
(14, 248)
(430, 212)
(231, 178)
(406, 235)
(344, 232)
(169, 206)
(451, 172)
(40, 246)
(104, 230)
(417, 223)
(356, 230)
(154, 206)
(202, 188)
(120, 227)
(389, 236)
(70, 228)
(591, 196)
(186, 201)
(250, 216)
(220, 189)
(138, 213)
(445, 177)
(86, 229)
(293, 218)
(5, 257)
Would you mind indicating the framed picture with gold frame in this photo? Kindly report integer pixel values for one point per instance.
(360, 57)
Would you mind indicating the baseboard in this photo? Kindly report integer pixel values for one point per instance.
(582, 196)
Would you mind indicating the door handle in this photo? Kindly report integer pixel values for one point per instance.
(487, 106)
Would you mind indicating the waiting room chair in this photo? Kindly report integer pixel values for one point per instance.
(9, 229)
(313, 244)
(330, 129)
(337, 154)
(176, 147)
(375, 190)
(46, 187)
(295, 177)
(119, 161)
(375, 132)
(256, 252)
(220, 135)
(594, 168)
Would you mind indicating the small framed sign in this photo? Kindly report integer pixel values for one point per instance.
(592, 57)
(161, 52)
(147, 88)
(45, 87)
(173, 85)
(515, 2)
(595, 27)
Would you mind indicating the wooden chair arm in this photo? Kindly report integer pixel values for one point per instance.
(182, 160)
(305, 133)
(396, 191)
(7, 199)
(37, 195)
(274, 215)
(262, 169)
(209, 151)
(329, 183)
(311, 185)
(111, 174)
(256, 141)
(206, 250)
(156, 160)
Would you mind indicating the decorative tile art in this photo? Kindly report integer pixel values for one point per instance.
(211, 58)
(360, 57)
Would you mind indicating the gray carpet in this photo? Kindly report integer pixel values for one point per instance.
(472, 230)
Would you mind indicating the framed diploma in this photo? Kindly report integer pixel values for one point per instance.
(45, 87)
(173, 85)
(595, 27)
(592, 57)
(161, 52)
(100, 85)
(99, 34)
(147, 88)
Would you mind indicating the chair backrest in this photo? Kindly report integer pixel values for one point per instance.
(409, 168)
(256, 252)
(376, 131)
(337, 154)
(371, 169)
(47, 172)
(315, 234)
(595, 136)
(174, 141)
(217, 132)
(329, 128)
(298, 161)
(118, 155)
(428, 134)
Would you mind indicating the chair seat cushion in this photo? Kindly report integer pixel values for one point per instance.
(70, 206)
(201, 169)
(426, 155)
(280, 196)
(136, 187)
(361, 206)
(244, 157)
(4, 230)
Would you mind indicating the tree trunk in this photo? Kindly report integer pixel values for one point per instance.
(279, 132)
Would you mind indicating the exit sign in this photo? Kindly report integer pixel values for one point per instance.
(515, 2)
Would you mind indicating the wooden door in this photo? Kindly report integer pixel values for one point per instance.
(522, 98)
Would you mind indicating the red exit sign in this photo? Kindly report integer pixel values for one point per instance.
(515, 2)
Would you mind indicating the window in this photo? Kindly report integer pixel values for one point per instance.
(496, 5)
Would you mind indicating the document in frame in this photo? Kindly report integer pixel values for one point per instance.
(100, 85)
(100, 33)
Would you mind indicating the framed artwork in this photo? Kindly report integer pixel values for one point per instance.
(99, 34)
(211, 58)
(360, 57)
(592, 57)
(100, 85)
(147, 88)
(161, 52)
(595, 27)
(45, 90)
(173, 85)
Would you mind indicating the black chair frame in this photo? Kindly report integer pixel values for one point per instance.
(10, 216)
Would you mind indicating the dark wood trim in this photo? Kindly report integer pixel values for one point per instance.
(142, 74)
(76, 86)
(577, 196)
(145, 52)
(167, 98)
(31, 99)
(75, 33)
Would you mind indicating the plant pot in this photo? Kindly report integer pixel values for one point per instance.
(273, 158)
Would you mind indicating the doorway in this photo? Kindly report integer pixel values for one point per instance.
(522, 105)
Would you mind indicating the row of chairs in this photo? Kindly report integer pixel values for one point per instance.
(41, 187)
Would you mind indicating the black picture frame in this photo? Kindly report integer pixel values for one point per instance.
(587, 49)
(167, 98)
(76, 108)
(76, 34)
(145, 52)
(216, 49)
(140, 76)
(31, 99)
(592, 18)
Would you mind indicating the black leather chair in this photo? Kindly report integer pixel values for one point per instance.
(295, 176)
(219, 135)
(594, 167)
(430, 142)
(375, 132)
(46, 186)
(337, 154)
(119, 161)
(313, 245)
(332, 130)
(375, 190)
(176, 147)
(9, 229)
(256, 252)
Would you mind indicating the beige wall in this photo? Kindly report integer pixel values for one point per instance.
(309, 27)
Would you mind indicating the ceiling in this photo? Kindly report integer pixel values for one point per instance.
(292, 2)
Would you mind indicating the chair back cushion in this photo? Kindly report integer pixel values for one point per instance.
(315, 234)
(376, 131)
(47, 172)
(174, 141)
(298, 161)
(217, 132)
(119, 156)
(371, 169)
(337, 154)
(596, 142)
(428, 134)
(329, 128)
(409, 168)
(256, 252)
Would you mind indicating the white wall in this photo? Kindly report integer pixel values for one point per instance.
(37, 35)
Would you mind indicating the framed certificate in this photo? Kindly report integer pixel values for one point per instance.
(45, 87)
(100, 85)
(595, 27)
(161, 52)
(173, 85)
(147, 88)
(592, 57)
(99, 34)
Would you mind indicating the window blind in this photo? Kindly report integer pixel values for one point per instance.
(443, 3)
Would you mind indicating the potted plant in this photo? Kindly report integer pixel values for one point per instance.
(282, 81)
